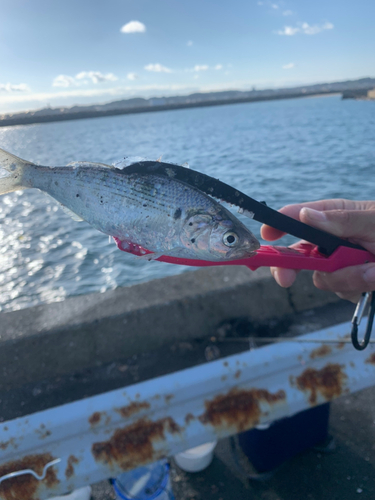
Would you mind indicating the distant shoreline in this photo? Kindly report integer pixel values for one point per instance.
(81, 115)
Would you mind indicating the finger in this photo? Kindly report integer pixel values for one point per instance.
(324, 205)
(350, 281)
(357, 225)
(350, 296)
(283, 277)
(270, 234)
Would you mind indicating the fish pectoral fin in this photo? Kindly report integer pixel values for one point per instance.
(176, 252)
(150, 256)
(88, 164)
(173, 252)
(71, 214)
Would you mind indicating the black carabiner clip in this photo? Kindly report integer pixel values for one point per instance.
(367, 298)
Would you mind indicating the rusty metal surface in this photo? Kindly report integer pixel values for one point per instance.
(99, 437)
(27, 486)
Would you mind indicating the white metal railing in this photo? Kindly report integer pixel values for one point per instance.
(86, 441)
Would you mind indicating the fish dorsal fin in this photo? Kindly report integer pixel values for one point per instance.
(71, 214)
(88, 164)
(128, 161)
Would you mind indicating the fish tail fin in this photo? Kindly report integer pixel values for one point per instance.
(12, 170)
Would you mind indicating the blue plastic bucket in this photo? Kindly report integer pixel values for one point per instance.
(151, 482)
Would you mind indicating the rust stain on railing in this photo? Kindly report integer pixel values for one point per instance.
(329, 382)
(26, 487)
(371, 359)
(239, 408)
(135, 407)
(72, 460)
(133, 445)
(320, 352)
(4, 445)
(95, 418)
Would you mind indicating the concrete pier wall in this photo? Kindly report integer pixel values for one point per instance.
(87, 331)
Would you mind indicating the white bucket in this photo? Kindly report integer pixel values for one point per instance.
(80, 494)
(196, 459)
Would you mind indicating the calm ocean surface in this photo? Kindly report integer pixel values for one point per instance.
(281, 152)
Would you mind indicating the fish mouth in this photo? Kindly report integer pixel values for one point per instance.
(249, 249)
(240, 254)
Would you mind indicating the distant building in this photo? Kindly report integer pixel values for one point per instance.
(371, 94)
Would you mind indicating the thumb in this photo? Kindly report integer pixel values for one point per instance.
(357, 225)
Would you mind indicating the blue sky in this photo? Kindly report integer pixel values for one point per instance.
(62, 53)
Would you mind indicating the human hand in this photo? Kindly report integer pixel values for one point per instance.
(352, 220)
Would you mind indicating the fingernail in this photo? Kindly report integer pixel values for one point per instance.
(319, 279)
(313, 215)
(275, 275)
(369, 275)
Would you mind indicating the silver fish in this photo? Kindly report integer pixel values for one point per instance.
(163, 215)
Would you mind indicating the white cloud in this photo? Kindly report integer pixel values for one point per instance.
(200, 67)
(83, 78)
(289, 66)
(189, 43)
(288, 31)
(313, 30)
(132, 76)
(79, 92)
(96, 77)
(133, 27)
(64, 81)
(270, 4)
(287, 13)
(203, 67)
(305, 28)
(157, 68)
(9, 87)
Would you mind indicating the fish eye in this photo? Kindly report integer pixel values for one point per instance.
(230, 239)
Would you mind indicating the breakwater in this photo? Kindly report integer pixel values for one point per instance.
(80, 115)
